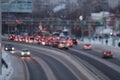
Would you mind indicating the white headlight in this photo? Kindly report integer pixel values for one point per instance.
(13, 48)
(28, 53)
(43, 43)
(6, 48)
(22, 53)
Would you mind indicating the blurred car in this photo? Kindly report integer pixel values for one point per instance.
(44, 42)
(107, 54)
(16, 38)
(31, 39)
(75, 41)
(55, 43)
(63, 44)
(12, 37)
(36, 39)
(87, 46)
(9, 47)
(70, 42)
(25, 53)
(21, 38)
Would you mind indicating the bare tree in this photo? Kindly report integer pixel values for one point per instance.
(116, 10)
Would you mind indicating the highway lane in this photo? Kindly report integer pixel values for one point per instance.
(98, 53)
(113, 75)
(109, 72)
(60, 71)
(35, 70)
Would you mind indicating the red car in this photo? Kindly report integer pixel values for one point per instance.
(87, 46)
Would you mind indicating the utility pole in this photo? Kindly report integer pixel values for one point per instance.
(0, 39)
(89, 30)
(81, 20)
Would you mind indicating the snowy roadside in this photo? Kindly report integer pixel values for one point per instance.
(105, 47)
(102, 42)
(15, 70)
(6, 72)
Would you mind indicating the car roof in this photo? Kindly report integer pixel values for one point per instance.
(87, 44)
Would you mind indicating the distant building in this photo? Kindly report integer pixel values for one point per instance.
(110, 3)
(16, 6)
(103, 5)
(113, 3)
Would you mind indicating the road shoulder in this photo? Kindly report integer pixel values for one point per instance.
(15, 69)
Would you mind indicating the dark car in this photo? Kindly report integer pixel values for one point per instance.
(9, 47)
(74, 40)
(107, 54)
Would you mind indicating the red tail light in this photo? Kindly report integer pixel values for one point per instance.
(71, 42)
(85, 46)
(104, 52)
(64, 42)
(90, 46)
(111, 53)
(55, 43)
(77, 40)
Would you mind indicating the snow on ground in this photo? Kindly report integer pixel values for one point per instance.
(111, 42)
(6, 72)
(98, 43)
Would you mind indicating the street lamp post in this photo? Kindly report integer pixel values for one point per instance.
(81, 19)
(0, 37)
(89, 30)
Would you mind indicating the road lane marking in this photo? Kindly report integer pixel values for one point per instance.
(92, 69)
(77, 66)
(74, 65)
(109, 64)
(50, 75)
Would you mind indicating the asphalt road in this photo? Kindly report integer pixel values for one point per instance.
(35, 70)
(109, 72)
(113, 75)
(60, 70)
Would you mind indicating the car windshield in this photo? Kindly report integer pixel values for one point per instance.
(25, 50)
(9, 45)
